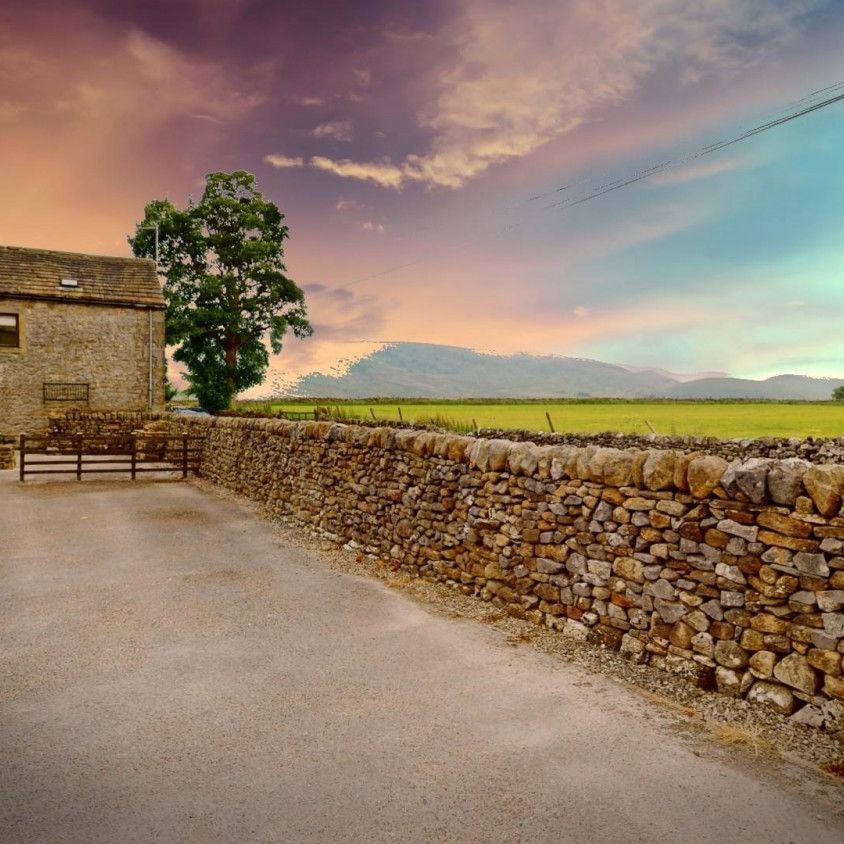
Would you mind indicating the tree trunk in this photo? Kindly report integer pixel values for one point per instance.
(231, 367)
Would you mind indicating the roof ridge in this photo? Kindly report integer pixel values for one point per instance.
(67, 254)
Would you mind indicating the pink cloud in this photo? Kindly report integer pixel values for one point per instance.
(513, 82)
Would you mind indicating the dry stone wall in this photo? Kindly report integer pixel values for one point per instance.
(98, 423)
(7, 456)
(731, 574)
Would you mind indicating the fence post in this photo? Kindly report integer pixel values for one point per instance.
(134, 455)
(184, 455)
(79, 457)
(23, 455)
(550, 423)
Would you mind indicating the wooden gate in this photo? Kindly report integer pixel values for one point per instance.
(131, 454)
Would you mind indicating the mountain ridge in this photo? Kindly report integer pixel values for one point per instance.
(427, 370)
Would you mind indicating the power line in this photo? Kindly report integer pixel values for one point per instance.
(642, 174)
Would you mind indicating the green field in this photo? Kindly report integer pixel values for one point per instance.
(701, 418)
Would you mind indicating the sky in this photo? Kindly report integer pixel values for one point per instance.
(429, 156)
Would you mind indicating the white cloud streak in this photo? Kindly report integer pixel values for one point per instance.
(384, 174)
(340, 130)
(282, 161)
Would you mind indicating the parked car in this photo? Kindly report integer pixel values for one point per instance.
(190, 411)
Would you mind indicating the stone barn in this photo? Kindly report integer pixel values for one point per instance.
(77, 332)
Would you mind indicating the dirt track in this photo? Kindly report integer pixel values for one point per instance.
(174, 671)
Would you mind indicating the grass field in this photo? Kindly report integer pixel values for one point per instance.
(716, 418)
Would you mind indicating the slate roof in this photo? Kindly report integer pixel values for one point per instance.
(37, 274)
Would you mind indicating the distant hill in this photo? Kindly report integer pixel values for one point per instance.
(776, 387)
(423, 370)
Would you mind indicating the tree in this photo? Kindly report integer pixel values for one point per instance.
(838, 393)
(226, 286)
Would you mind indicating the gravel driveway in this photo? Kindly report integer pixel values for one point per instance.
(173, 670)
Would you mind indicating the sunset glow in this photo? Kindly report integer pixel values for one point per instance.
(407, 143)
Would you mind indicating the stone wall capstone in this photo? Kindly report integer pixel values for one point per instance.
(729, 573)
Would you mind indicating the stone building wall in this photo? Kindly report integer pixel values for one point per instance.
(729, 573)
(104, 346)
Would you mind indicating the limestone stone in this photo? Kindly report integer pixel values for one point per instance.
(813, 564)
(618, 468)
(479, 454)
(781, 523)
(810, 716)
(748, 532)
(660, 589)
(824, 484)
(638, 504)
(793, 543)
(730, 654)
(728, 681)
(697, 621)
(833, 624)
(834, 686)
(681, 635)
(732, 598)
(522, 459)
(713, 609)
(669, 611)
(773, 695)
(830, 600)
(633, 648)
(728, 479)
(703, 643)
(752, 640)
(658, 469)
(751, 479)
(704, 474)
(794, 670)
(762, 664)
(498, 454)
(630, 569)
(681, 470)
(785, 480)
(829, 662)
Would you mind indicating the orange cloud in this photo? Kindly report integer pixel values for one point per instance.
(85, 103)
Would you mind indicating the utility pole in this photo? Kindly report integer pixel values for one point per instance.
(155, 227)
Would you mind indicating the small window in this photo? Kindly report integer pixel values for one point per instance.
(9, 331)
(60, 391)
(69, 282)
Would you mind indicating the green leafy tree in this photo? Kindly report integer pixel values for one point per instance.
(227, 292)
(838, 393)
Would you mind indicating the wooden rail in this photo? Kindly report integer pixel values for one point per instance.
(87, 455)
